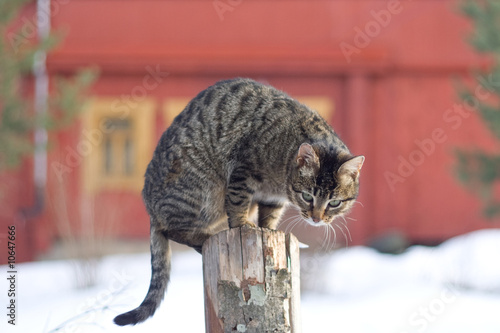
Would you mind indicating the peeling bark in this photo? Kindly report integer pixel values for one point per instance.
(251, 282)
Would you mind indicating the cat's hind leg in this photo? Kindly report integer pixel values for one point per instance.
(192, 237)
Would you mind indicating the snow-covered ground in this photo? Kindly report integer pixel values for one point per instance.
(454, 287)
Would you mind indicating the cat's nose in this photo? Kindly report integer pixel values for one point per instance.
(315, 219)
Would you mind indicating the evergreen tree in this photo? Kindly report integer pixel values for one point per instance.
(19, 48)
(478, 169)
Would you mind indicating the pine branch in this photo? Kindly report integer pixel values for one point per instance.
(17, 117)
(478, 170)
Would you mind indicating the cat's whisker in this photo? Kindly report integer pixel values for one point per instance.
(325, 240)
(295, 221)
(346, 228)
(343, 232)
(350, 218)
(334, 236)
(327, 237)
(359, 202)
(289, 218)
(290, 227)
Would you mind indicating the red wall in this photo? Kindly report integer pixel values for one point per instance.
(394, 89)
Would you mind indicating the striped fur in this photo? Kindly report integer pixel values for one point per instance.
(239, 148)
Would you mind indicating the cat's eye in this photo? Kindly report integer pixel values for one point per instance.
(307, 197)
(334, 203)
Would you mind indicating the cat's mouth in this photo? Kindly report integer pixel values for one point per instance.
(315, 222)
(310, 221)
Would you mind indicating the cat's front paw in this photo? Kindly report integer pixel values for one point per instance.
(248, 224)
(238, 224)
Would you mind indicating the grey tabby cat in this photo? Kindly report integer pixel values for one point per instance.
(240, 148)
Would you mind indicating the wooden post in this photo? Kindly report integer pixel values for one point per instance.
(252, 282)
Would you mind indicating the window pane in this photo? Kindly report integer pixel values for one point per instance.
(116, 124)
(129, 156)
(108, 156)
(119, 155)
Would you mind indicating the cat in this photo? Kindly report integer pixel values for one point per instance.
(240, 148)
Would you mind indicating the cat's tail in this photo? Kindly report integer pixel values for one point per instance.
(160, 276)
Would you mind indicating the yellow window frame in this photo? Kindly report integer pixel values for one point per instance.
(141, 115)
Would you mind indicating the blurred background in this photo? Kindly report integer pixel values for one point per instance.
(88, 87)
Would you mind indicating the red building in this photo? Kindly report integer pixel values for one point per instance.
(381, 72)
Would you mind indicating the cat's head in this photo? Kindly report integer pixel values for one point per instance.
(324, 183)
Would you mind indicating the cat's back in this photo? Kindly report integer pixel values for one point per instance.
(230, 100)
(225, 112)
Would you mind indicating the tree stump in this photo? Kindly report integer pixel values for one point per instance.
(252, 281)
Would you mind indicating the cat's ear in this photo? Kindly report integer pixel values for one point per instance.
(352, 167)
(307, 159)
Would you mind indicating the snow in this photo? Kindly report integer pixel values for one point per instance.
(454, 287)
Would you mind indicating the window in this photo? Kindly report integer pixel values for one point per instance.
(118, 151)
(122, 140)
